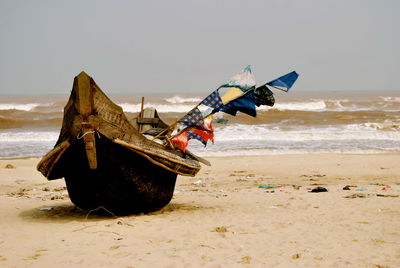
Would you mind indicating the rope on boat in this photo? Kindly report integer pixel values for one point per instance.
(87, 132)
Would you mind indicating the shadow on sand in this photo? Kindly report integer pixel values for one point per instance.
(64, 213)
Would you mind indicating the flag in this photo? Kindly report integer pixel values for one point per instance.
(181, 140)
(192, 135)
(193, 119)
(213, 100)
(243, 80)
(285, 82)
(231, 94)
(245, 104)
(264, 96)
(205, 133)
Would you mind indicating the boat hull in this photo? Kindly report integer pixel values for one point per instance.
(106, 162)
(123, 182)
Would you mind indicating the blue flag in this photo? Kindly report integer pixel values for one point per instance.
(213, 100)
(284, 82)
(245, 104)
(193, 119)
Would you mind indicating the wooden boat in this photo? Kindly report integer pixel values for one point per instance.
(106, 161)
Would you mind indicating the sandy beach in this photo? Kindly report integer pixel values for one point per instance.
(253, 211)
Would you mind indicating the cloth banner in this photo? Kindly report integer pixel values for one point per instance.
(245, 104)
(193, 119)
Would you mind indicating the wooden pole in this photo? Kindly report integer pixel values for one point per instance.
(174, 124)
(141, 114)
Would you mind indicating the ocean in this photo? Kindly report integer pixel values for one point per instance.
(298, 123)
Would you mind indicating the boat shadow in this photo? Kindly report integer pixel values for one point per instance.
(64, 213)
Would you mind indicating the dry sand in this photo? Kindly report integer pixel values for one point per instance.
(224, 217)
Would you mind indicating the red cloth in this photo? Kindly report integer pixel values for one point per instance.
(181, 140)
(207, 133)
(204, 134)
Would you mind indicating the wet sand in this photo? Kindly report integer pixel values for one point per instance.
(241, 212)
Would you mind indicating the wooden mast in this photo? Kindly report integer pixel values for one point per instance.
(141, 115)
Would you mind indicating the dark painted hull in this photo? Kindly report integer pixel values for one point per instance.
(123, 183)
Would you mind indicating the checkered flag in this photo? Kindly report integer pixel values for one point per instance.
(213, 100)
(193, 119)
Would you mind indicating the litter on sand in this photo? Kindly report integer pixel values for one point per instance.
(270, 186)
(46, 209)
(318, 189)
(355, 196)
(387, 195)
(267, 186)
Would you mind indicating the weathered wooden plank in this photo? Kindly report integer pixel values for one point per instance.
(85, 96)
(148, 120)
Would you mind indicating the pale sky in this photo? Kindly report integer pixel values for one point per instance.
(194, 46)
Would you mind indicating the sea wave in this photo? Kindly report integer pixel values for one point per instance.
(287, 151)
(20, 106)
(11, 123)
(318, 105)
(161, 108)
(28, 136)
(390, 99)
(308, 106)
(179, 99)
(240, 132)
(340, 105)
(242, 139)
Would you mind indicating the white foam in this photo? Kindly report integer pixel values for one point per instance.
(241, 132)
(29, 136)
(179, 99)
(179, 104)
(257, 152)
(18, 106)
(331, 105)
(161, 108)
(318, 105)
(390, 99)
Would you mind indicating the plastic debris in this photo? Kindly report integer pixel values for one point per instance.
(386, 187)
(46, 209)
(198, 182)
(268, 186)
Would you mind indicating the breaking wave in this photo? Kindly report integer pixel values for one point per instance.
(161, 108)
(22, 107)
(179, 99)
(325, 123)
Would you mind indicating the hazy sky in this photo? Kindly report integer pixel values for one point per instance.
(194, 46)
